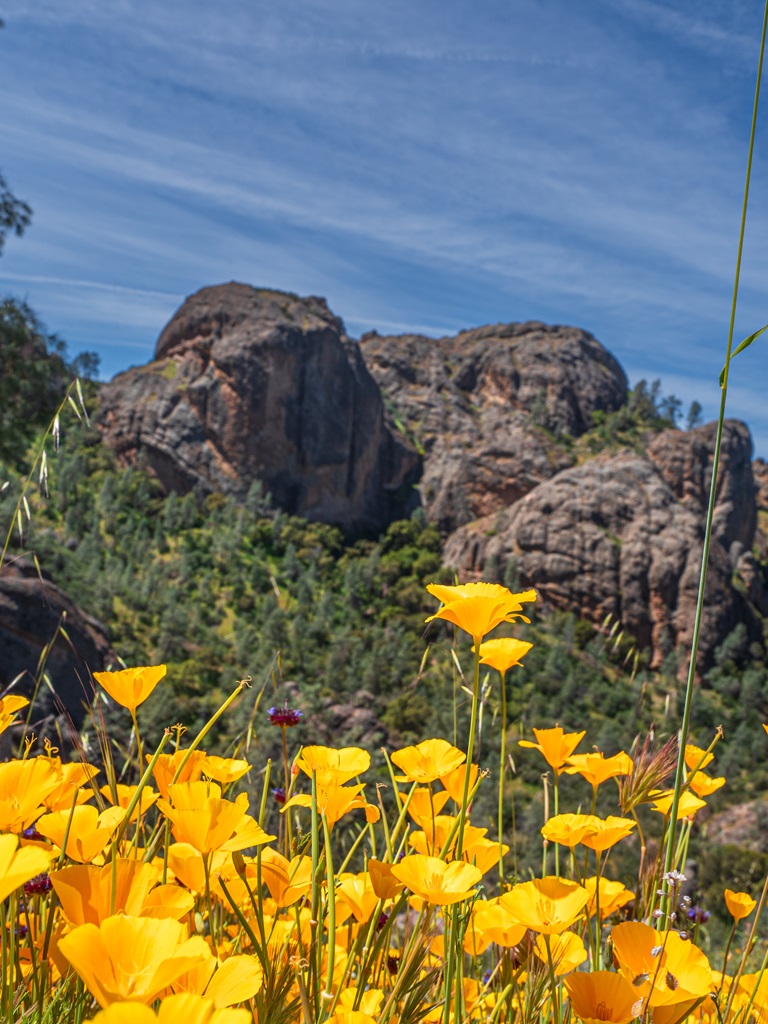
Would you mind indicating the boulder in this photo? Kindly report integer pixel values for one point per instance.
(254, 385)
(34, 613)
(610, 537)
(493, 409)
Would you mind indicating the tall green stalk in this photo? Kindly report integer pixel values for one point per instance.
(684, 728)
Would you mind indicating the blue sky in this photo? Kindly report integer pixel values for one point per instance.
(425, 166)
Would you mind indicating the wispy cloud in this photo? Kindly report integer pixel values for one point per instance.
(425, 166)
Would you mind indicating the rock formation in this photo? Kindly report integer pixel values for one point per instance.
(493, 409)
(611, 537)
(685, 461)
(34, 613)
(252, 385)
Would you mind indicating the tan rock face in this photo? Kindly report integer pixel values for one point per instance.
(252, 385)
(493, 408)
(610, 537)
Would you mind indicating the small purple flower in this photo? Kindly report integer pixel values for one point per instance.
(383, 918)
(39, 885)
(279, 795)
(698, 915)
(285, 717)
(32, 833)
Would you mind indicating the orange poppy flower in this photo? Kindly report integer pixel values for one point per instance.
(424, 805)
(695, 757)
(334, 801)
(607, 832)
(704, 785)
(687, 806)
(596, 767)
(547, 905)
(73, 781)
(287, 880)
(125, 794)
(567, 951)
(370, 1002)
(357, 893)
(613, 896)
(84, 892)
(167, 765)
(331, 765)
(224, 981)
(477, 608)
(185, 1007)
(602, 997)
(224, 770)
(664, 969)
(188, 866)
(8, 707)
(482, 852)
(556, 745)
(503, 653)
(427, 761)
(740, 904)
(89, 831)
(454, 781)
(18, 866)
(435, 834)
(384, 883)
(24, 785)
(134, 958)
(205, 820)
(131, 686)
(568, 829)
(491, 922)
(351, 1017)
(435, 881)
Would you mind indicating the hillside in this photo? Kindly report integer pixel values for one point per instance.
(188, 525)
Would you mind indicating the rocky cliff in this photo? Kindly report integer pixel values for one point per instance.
(492, 409)
(254, 385)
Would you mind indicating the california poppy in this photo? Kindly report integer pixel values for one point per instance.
(435, 881)
(602, 997)
(740, 904)
(547, 905)
(477, 608)
(555, 745)
(131, 686)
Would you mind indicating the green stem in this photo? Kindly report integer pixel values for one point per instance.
(470, 747)
(556, 789)
(328, 993)
(670, 848)
(552, 979)
(502, 769)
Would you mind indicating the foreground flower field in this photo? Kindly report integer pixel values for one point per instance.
(152, 891)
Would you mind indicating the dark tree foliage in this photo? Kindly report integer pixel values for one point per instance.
(34, 373)
(15, 215)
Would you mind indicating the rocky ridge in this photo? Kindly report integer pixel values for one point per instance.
(481, 429)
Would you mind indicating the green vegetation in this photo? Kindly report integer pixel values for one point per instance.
(647, 411)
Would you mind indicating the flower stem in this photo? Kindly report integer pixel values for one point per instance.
(684, 728)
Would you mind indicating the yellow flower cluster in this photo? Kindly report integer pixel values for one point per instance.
(163, 898)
